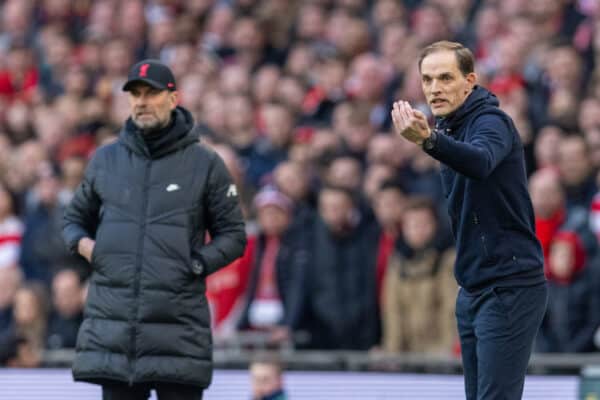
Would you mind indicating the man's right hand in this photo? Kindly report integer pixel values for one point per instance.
(85, 247)
(410, 123)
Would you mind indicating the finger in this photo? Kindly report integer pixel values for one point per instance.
(405, 112)
(419, 115)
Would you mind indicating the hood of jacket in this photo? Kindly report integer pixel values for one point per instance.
(479, 100)
(179, 134)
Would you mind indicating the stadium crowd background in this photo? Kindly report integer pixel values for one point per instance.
(350, 246)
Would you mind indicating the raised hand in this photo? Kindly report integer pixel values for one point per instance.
(409, 123)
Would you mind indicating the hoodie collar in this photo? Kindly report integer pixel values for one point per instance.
(179, 134)
(478, 97)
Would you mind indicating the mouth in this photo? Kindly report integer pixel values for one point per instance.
(437, 102)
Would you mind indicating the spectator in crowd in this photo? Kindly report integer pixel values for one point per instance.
(275, 299)
(576, 171)
(573, 272)
(29, 329)
(11, 230)
(10, 281)
(342, 275)
(547, 146)
(67, 310)
(43, 252)
(266, 374)
(389, 204)
(419, 289)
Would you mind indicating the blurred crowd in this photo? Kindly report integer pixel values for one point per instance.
(349, 242)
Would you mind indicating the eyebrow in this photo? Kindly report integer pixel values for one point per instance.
(440, 76)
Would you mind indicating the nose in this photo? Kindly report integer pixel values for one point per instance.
(435, 87)
(140, 100)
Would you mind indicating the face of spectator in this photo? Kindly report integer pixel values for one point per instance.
(589, 114)
(291, 92)
(444, 85)
(239, 116)
(330, 75)
(592, 139)
(161, 33)
(66, 293)
(573, 161)
(73, 169)
(311, 22)
(355, 37)
(278, 124)
(265, 83)
(235, 79)
(132, 20)
(300, 61)
(546, 193)
(266, 380)
(151, 108)
(345, 172)
(273, 220)
(546, 146)
(116, 57)
(418, 227)
(393, 38)
(382, 149)
(430, 25)
(336, 209)
(367, 79)
(387, 11)
(246, 35)
(563, 65)
(389, 207)
(511, 54)
(374, 176)
(291, 180)
(76, 81)
(487, 24)
(562, 258)
(47, 186)
(192, 89)
(27, 309)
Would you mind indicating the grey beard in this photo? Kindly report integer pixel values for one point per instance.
(151, 129)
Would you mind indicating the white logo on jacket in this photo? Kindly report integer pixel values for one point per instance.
(232, 191)
(173, 187)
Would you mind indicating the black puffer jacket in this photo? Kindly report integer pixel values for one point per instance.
(146, 316)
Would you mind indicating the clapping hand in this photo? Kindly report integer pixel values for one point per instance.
(410, 123)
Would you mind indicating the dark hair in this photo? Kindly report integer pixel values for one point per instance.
(464, 56)
(394, 184)
(339, 189)
(422, 203)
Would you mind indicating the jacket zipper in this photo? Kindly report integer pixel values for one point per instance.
(138, 271)
(481, 236)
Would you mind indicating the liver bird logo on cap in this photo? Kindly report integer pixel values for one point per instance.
(144, 70)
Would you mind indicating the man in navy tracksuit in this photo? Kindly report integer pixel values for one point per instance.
(499, 263)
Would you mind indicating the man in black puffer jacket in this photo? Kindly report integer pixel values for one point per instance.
(140, 217)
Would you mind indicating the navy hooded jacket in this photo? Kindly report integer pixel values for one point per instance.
(484, 179)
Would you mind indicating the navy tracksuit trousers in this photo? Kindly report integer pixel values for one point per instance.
(497, 328)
